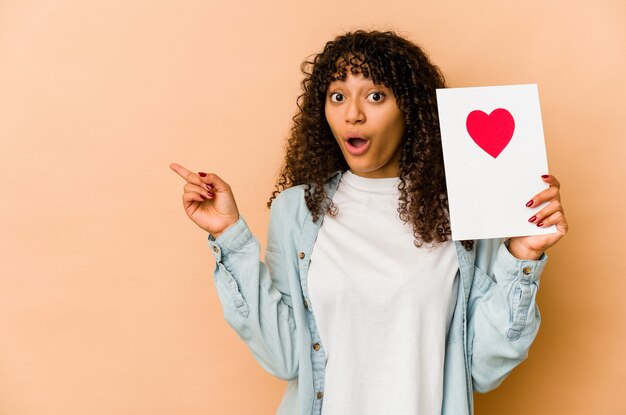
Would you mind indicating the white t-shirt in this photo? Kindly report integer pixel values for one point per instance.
(382, 306)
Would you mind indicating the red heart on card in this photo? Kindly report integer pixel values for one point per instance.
(491, 132)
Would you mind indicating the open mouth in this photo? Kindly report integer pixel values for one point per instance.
(357, 145)
(357, 142)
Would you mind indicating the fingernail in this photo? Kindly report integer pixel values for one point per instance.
(211, 194)
(202, 174)
(203, 197)
(544, 176)
(209, 187)
(534, 218)
(540, 224)
(530, 203)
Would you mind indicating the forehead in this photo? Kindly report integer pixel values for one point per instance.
(354, 80)
(351, 63)
(358, 66)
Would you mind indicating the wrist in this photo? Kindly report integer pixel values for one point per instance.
(522, 252)
(218, 233)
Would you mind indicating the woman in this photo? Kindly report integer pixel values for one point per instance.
(364, 304)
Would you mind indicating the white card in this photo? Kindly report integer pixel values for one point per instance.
(494, 156)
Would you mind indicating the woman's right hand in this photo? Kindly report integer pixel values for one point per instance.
(208, 200)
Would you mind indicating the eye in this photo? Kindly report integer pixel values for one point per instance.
(337, 97)
(376, 96)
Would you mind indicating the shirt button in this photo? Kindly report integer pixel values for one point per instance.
(301, 255)
(320, 395)
(215, 249)
(526, 270)
(316, 346)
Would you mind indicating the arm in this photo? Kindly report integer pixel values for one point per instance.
(256, 305)
(503, 317)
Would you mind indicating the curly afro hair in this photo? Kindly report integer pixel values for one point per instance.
(313, 156)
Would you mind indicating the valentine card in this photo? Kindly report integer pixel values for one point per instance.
(494, 156)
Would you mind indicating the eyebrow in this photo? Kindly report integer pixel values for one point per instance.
(372, 85)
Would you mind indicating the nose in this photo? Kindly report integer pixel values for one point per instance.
(354, 112)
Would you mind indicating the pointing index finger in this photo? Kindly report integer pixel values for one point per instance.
(180, 170)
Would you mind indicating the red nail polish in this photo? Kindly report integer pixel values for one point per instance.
(209, 187)
(544, 176)
(534, 218)
(530, 203)
(203, 197)
(540, 224)
(202, 174)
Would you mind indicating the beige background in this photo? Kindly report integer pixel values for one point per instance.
(107, 304)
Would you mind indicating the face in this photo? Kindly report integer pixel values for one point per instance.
(367, 124)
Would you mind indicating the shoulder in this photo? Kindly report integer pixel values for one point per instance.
(288, 201)
(292, 195)
(289, 207)
(292, 201)
(287, 214)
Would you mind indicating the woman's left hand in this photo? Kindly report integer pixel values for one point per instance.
(532, 247)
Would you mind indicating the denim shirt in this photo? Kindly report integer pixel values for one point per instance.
(494, 322)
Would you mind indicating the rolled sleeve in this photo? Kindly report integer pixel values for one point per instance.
(231, 240)
(526, 270)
